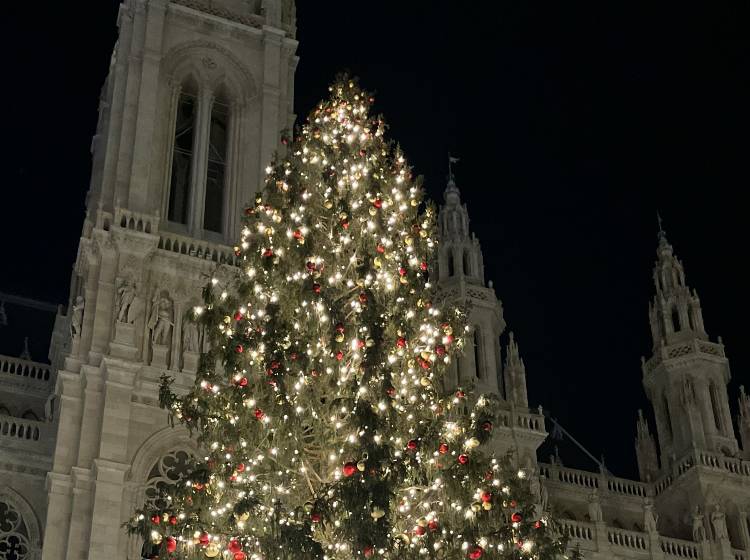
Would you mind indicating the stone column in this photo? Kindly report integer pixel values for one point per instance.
(59, 504)
(270, 96)
(106, 532)
(744, 532)
(232, 199)
(174, 101)
(80, 515)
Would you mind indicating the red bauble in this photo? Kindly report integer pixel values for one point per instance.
(198, 486)
(345, 224)
(412, 444)
(268, 253)
(401, 342)
(443, 448)
(402, 271)
(234, 546)
(297, 234)
(513, 503)
(339, 327)
(259, 414)
(315, 518)
(316, 288)
(440, 350)
(487, 426)
(239, 349)
(239, 555)
(237, 316)
(369, 551)
(516, 517)
(155, 519)
(378, 203)
(349, 468)
(310, 266)
(538, 525)
(240, 467)
(363, 298)
(171, 544)
(432, 525)
(419, 530)
(314, 372)
(476, 552)
(463, 458)
(203, 539)
(391, 392)
(242, 382)
(486, 496)
(460, 394)
(275, 365)
(339, 355)
(423, 265)
(380, 249)
(173, 520)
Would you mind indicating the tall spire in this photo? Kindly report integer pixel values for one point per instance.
(645, 449)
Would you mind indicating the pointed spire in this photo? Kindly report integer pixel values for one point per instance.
(25, 354)
(452, 195)
(515, 375)
(513, 358)
(642, 426)
(664, 249)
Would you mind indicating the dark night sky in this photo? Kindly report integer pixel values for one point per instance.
(574, 121)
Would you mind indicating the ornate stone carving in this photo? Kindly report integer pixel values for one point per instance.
(161, 320)
(14, 537)
(699, 528)
(76, 317)
(719, 522)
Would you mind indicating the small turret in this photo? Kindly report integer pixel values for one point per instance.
(514, 375)
(645, 448)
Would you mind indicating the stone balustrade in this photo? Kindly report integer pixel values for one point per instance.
(676, 548)
(136, 221)
(221, 254)
(593, 481)
(627, 539)
(672, 351)
(20, 428)
(521, 420)
(740, 555)
(577, 530)
(25, 370)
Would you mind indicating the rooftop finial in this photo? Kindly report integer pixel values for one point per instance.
(451, 161)
(452, 196)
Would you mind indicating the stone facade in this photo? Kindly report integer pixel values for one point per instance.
(193, 108)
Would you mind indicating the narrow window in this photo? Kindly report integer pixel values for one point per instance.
(182, 157)
(478, 352)
(467, 263)
(667, 416)
(217, 163)
(675, 320)
(715, 406)
(451, 264)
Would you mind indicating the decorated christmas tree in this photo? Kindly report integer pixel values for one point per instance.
(324, 424)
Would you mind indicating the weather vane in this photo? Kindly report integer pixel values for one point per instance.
(451, 161)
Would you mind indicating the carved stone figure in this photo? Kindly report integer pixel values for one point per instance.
(160, 321)
(190, 336)
(595, 508)
(719, 522)
(76, 317)
(699, 529)
(126, 293)
(650, 519)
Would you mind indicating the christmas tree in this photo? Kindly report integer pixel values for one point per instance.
(325, 428)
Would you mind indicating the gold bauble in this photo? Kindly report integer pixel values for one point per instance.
(328, 204)
(156, 538)
(425, 355)
(414, 202)
(422, 522)
(377, 262)
(425, 382)
(212, 550)
(409, 240)
(476, 507)
(244, 516)
(403, 280)
(308, 507)
(377, 513)
(487, 506)
(471, 443)
(369, 343)
(448, 330)
(361, 466)
(360, 282)
(423, 233)
(339, 337)
(373, 210)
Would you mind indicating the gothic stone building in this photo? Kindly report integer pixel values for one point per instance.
(197, 94)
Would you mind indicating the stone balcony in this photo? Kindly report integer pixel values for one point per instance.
(678, 350)
(27, 377)
(597, 540)
(26, 438)
(602, 483)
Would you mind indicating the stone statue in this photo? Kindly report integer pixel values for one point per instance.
(699, 529)
(719, 522)
(190, 336)
(76, 317)
(595, 508)
(125, 297)
(650, 518)
(160, 321)
(544, 496)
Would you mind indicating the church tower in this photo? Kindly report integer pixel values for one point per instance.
(197, 97)
(461, 277)
(686, 378)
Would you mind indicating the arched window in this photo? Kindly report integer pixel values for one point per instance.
(14, 533)
(213, 213)
(182, 154)
(478, 352)
(467, 263)
(714, 394)
(451, 265)
(667, 415)
(167, 472)
(30, 415)
(675, 320)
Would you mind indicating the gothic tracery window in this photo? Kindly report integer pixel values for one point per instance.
(478, 351)
(714, 395)
(168, 470)
(14, 534)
